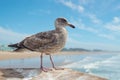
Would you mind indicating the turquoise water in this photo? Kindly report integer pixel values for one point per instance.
(102, 64)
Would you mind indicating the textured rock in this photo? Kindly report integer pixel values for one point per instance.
(66, 74)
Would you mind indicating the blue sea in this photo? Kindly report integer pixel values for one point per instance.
(105, 65)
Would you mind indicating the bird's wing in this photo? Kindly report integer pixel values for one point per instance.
(39, 40)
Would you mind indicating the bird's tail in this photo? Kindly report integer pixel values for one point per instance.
(14, 45)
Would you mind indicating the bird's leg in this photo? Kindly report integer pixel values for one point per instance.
(53, 65)
(41, 65)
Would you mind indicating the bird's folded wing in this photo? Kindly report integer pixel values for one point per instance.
(40, 40)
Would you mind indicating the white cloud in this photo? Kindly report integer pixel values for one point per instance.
(114, 25)
(73, 43)
(94, 18)
(116, 20)
(86, 2)
(109, 28)
(111, 37)
(97, 32)
(82, 26)
(89, 29)
(69, 4)
(8, 36)
(73, 6)
(113, 29)
(81, 9)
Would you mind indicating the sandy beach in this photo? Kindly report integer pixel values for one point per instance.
(6, 55)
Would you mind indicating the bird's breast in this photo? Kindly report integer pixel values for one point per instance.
(57, 44)
(62, 38)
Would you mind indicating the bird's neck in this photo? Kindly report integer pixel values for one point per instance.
(61, 29)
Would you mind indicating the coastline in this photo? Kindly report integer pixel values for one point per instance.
(6, 55)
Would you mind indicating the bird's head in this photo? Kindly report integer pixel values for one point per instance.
(62, 22)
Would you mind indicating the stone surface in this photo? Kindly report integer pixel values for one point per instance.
(66, 74)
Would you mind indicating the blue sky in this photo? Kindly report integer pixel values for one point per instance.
(97, 21)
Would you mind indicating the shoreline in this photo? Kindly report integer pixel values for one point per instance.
(6, 55)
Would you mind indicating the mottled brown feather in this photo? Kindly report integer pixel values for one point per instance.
(46, 42)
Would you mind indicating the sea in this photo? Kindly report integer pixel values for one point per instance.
(103, 64)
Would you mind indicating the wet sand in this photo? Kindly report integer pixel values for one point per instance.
(6, 55)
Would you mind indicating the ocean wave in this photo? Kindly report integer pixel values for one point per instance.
(102, 66)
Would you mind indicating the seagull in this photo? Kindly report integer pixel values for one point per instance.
(47, 43)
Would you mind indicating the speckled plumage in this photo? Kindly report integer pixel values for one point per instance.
(48, 42)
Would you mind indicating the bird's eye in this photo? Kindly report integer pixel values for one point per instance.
(63, 20)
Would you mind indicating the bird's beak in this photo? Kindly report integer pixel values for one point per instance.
(71, 25)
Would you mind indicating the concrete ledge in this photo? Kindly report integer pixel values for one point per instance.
(66, 74)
